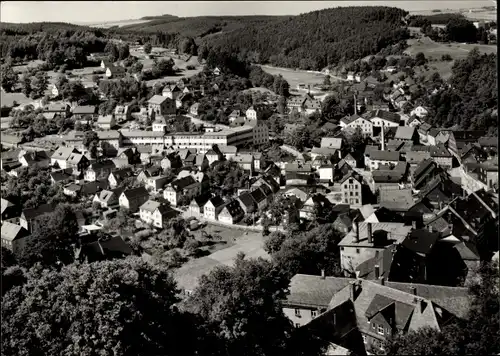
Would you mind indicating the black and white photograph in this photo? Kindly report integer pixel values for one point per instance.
(249, 178)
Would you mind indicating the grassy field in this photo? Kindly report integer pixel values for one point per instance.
(435, 50)
(7, 99)
(295, 77)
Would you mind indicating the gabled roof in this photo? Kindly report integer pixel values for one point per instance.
(63, 153)
(157, 99)
(314, 291)
(247, 200)
(181, 183)
(233, 208)
(417, 157)
(105, 164)
(423, 166)
(201, 200)
(32, 213)
(384, 155)
(150, 206)
(396, 200)
(85, 109)
(11, 232)
(385, 115)
(135, 193)
(421, 241)
(404, 133)
(350, 119)
(216, 201)
(440, 151)
(258, 195)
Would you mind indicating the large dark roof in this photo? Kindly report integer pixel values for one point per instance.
(421, 241)
(386, 115)
(135, 192)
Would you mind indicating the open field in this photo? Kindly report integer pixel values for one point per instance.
(251, 245)
(471, 13)
(295, 77)
(435, 50)
(30, 64)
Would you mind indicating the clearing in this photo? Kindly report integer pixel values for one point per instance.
(7, 99)
(251, 245)
(435, 50)
(296, 77)
(116, 23)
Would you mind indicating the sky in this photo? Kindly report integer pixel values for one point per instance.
(109, 11)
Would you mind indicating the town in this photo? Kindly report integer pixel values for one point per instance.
(381, 217)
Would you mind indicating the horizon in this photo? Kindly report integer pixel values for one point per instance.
(84, 13)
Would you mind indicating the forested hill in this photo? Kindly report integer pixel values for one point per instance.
(199, 26)
(316, 39)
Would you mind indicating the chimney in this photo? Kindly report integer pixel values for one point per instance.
(382, 138)
(322, 274)
(377, 272)
(355, 105)
(413, 290)
(356, 231)
(369, 232)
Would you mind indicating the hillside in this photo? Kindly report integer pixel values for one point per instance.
(316, 39)
(200, 26)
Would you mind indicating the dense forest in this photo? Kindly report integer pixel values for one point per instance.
(470, 102)
(315, 39)
(200, 26)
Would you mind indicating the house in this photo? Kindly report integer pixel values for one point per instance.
(331, 142)
(351, 189)
(115, 72)
(85, 111)
(247, 203)
(245, 161)
(106, 63)
(419, 111)
(78, 162)
(440, 190)
(414, 159)
(257, 112)
(309, 296)
(99, 170)
(123, 113)
(29, 216)
(488, 174)
(385, 179)
(398, 201)
(108, 247)
(171, 162)
(213, 156)
(297, 193)
(201, 161)
(197, 205)
(193, 109)
(13, 236)
(62, 176)
(52, 110)
(307, 212)
(10, 157)
(106, 122)
(442, 156)
(425, 171)
(116, 177)
(357, 122)
(260, 198)
(157, 183)
(384, 118)
(231, 213)
(407, 133)
(343, 223)
(378, 158)
(171, 91)
(217, 71)
(10, 140)
(326, 173)
(161, 105)
(108, 199)
(212, 208)
(60, 157)
(132, 199)
(186, 186)
(324, 152)
(155, 213)
(35, 159)
(382, 309)
(10, 212)
(367, 240)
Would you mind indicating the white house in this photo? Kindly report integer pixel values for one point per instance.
(360, 122)
(419, 111)
(212, 208)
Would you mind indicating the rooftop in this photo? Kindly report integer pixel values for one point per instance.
(396, 232)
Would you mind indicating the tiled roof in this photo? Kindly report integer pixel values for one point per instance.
(396, 200)
(397, 231)
(404, 133)
(384, 155)
(10, 231)
(157, 99)
(417, 157)
(38, 211)
(309, 290)
(150, 206)
(440, 151)
(421, 241)
(385, 115)
(135, 192)
(85, 109)
(181, 183)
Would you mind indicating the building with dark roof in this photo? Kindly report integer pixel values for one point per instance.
(132, 199)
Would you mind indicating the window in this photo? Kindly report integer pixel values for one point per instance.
(380, 330)
(357, 250)
(364, 339)
(297, 312)
(373, 326)
(297, 325)
(314, 313)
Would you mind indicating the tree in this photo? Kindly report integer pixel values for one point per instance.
(39, 84)
(100, 308)
(91, 142)
(188, 46)
(8, 77)
(52, 241)
(327, 81)
(148, 48)
(420, 59)
(26, 84)
(241, 308)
